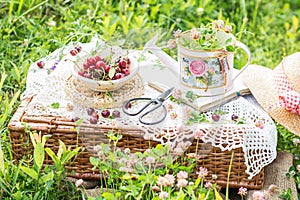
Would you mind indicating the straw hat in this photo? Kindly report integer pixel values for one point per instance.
(278, 90)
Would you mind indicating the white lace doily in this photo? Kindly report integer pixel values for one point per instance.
(48, 86)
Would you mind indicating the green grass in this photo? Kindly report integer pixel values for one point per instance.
(269, 27)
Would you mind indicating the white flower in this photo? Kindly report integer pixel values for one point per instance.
(242, 191)
(214, 176)
(177, 34)
(195, 34)
(202, 172)
(208, 185)
(178, 150)
(26, 41)
(228, 29)
(161, 181)
(127, 151)
(169, 180)
(182, 183)
(163, 195)
(148, 151)
(88, 12)
(182, 175)
(97, 148)
(171, 44)
(218, 24)
(52, 23)
(296, 141)
(150, 159)
(79, 182)
(200, 10)
(298, 168)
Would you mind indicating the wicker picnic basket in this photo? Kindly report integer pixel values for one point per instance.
(216, 161)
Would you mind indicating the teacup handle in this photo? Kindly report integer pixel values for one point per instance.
(246, 49)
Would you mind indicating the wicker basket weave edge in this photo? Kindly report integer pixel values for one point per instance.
(216, 161)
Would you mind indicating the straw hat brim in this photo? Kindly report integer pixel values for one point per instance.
(260, 82)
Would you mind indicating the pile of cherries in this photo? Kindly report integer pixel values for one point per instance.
(104, 113)
(97, 68)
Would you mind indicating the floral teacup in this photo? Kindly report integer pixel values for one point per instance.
(210, 72)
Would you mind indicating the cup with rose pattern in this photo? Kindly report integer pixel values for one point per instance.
(206, 60)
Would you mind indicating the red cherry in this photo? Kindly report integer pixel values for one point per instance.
(81, 73)
(125, 71)
(90, 111)
(86, 66)
(107, 68)
(91, 61)
(122, 64)
(128, 60)
(116, 113)
(87, 75)
(234, 117)
(95, 115)
(40, 64)
(215, 117)
(73, 52)
(78, 48)
(127, 106)
(98, 58)
(118, 76)
(105, 113)
(93, 120)
(92, 68)
(100, 64)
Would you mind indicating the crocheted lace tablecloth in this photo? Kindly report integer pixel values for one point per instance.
(54, 85)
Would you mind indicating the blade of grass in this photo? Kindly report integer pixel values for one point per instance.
(4, 186)
(16, 72)
(3, 77)
(16, 174)
(14, 100)
(243, 8)
(31, 9)
(228, 176)
(1, 161)
(20, 6)
(255, 14)
(8, 106)
(11, 7)
(4, 115)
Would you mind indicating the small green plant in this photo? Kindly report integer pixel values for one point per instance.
(286, 194)
(12, 180)
(211, 36)
(36, 180)
(152, 174)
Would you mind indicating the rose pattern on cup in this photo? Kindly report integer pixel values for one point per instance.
(203, 73)
(198, 67)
